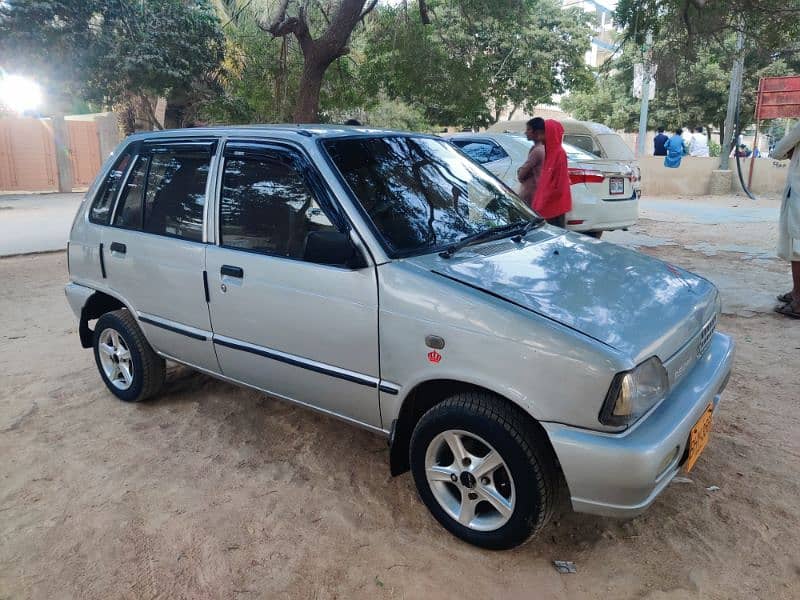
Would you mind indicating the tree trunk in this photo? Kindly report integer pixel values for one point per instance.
(307, 105)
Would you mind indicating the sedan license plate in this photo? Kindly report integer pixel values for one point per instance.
(698, 437)
(616, 185)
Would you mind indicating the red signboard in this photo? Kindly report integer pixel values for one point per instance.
(778, 97)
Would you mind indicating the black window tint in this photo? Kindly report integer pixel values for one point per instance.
(176, 193)
(480, 152)
(129, 207)
(266, 207)
(104, 203)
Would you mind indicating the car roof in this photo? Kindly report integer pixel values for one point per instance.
(570, 126)
(311, 130)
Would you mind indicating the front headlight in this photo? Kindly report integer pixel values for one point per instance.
(635, 392)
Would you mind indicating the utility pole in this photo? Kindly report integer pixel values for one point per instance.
(733, 101)
(648, 54)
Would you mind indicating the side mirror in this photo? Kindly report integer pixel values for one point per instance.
(333, 248)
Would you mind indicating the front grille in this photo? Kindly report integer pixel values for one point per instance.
(706, 334)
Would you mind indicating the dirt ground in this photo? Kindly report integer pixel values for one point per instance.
(213, 491)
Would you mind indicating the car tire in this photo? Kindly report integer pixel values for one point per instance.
(595, 234)
(129, 366)
(522, 490)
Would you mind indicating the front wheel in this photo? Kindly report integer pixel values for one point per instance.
(482, 470)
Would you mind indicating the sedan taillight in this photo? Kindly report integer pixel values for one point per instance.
(585, 176)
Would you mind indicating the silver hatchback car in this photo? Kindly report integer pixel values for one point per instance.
(387, 280)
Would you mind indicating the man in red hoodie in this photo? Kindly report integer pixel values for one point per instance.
(553, 199)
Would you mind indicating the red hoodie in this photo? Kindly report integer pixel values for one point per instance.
(553, 197)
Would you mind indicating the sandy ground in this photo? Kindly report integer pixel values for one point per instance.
(213, 491)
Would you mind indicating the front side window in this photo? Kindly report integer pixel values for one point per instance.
(100, 212)
(421, 193)
(266, 206)
(176, 193)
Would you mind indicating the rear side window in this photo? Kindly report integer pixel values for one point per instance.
(129, 207)
(584, 142)
(481, 152)
(176, 193)
(100, 212)
(266, 206)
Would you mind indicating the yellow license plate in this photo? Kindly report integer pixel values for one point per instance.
(698, 438)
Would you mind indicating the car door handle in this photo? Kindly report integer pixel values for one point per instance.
(232, 271)
(118, 248)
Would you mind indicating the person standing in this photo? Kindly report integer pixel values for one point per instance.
(699, 144)
(528, 174)
(674, 148)
(553, 198)
(659, 143)
(789, 223)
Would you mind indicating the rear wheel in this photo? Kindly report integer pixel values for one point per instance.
(594, 234)
(127, 363)
(482, 471)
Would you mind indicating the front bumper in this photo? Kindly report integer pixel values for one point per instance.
(620, 475)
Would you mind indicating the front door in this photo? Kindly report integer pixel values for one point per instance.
(154, 253)
(283, 323)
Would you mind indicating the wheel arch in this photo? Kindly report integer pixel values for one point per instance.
(98, 304)
(424, 396)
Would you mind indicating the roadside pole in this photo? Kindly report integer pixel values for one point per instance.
(734, 94)
(641, 142)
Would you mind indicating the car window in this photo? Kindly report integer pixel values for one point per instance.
(584, 142)
(574, 153)
(421, 194)
(266, 206)
(104, 202)
(129, 207)
(615, 147)
(481, 152)
(176, 193)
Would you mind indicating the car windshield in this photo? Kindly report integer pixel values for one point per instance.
(421, 194)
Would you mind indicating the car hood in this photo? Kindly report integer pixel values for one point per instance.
(634, 303)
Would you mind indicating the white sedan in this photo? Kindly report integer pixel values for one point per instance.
(605, 193)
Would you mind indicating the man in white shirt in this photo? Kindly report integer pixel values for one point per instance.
(699, 144)
(789, 224)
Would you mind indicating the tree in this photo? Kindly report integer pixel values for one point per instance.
(470, 60)
(320, 49)
(115, 52)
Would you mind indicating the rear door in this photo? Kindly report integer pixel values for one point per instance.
(284, 323)
(154, 250)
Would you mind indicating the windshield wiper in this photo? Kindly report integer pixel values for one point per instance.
(486, 235)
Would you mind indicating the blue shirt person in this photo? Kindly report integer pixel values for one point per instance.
(659, 143)
(675, 150)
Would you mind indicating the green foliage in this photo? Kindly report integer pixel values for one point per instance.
(103, 50)
(714, 148)
(690, 90)
(476, 59)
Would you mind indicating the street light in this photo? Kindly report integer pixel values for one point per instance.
(19, 93)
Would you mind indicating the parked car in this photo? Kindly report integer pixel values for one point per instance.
(595, 138)
(604, 196)
(387, 280)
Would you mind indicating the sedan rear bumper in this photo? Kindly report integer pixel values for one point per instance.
(620, 475)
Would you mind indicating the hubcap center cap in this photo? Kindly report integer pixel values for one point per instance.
(467, 479)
